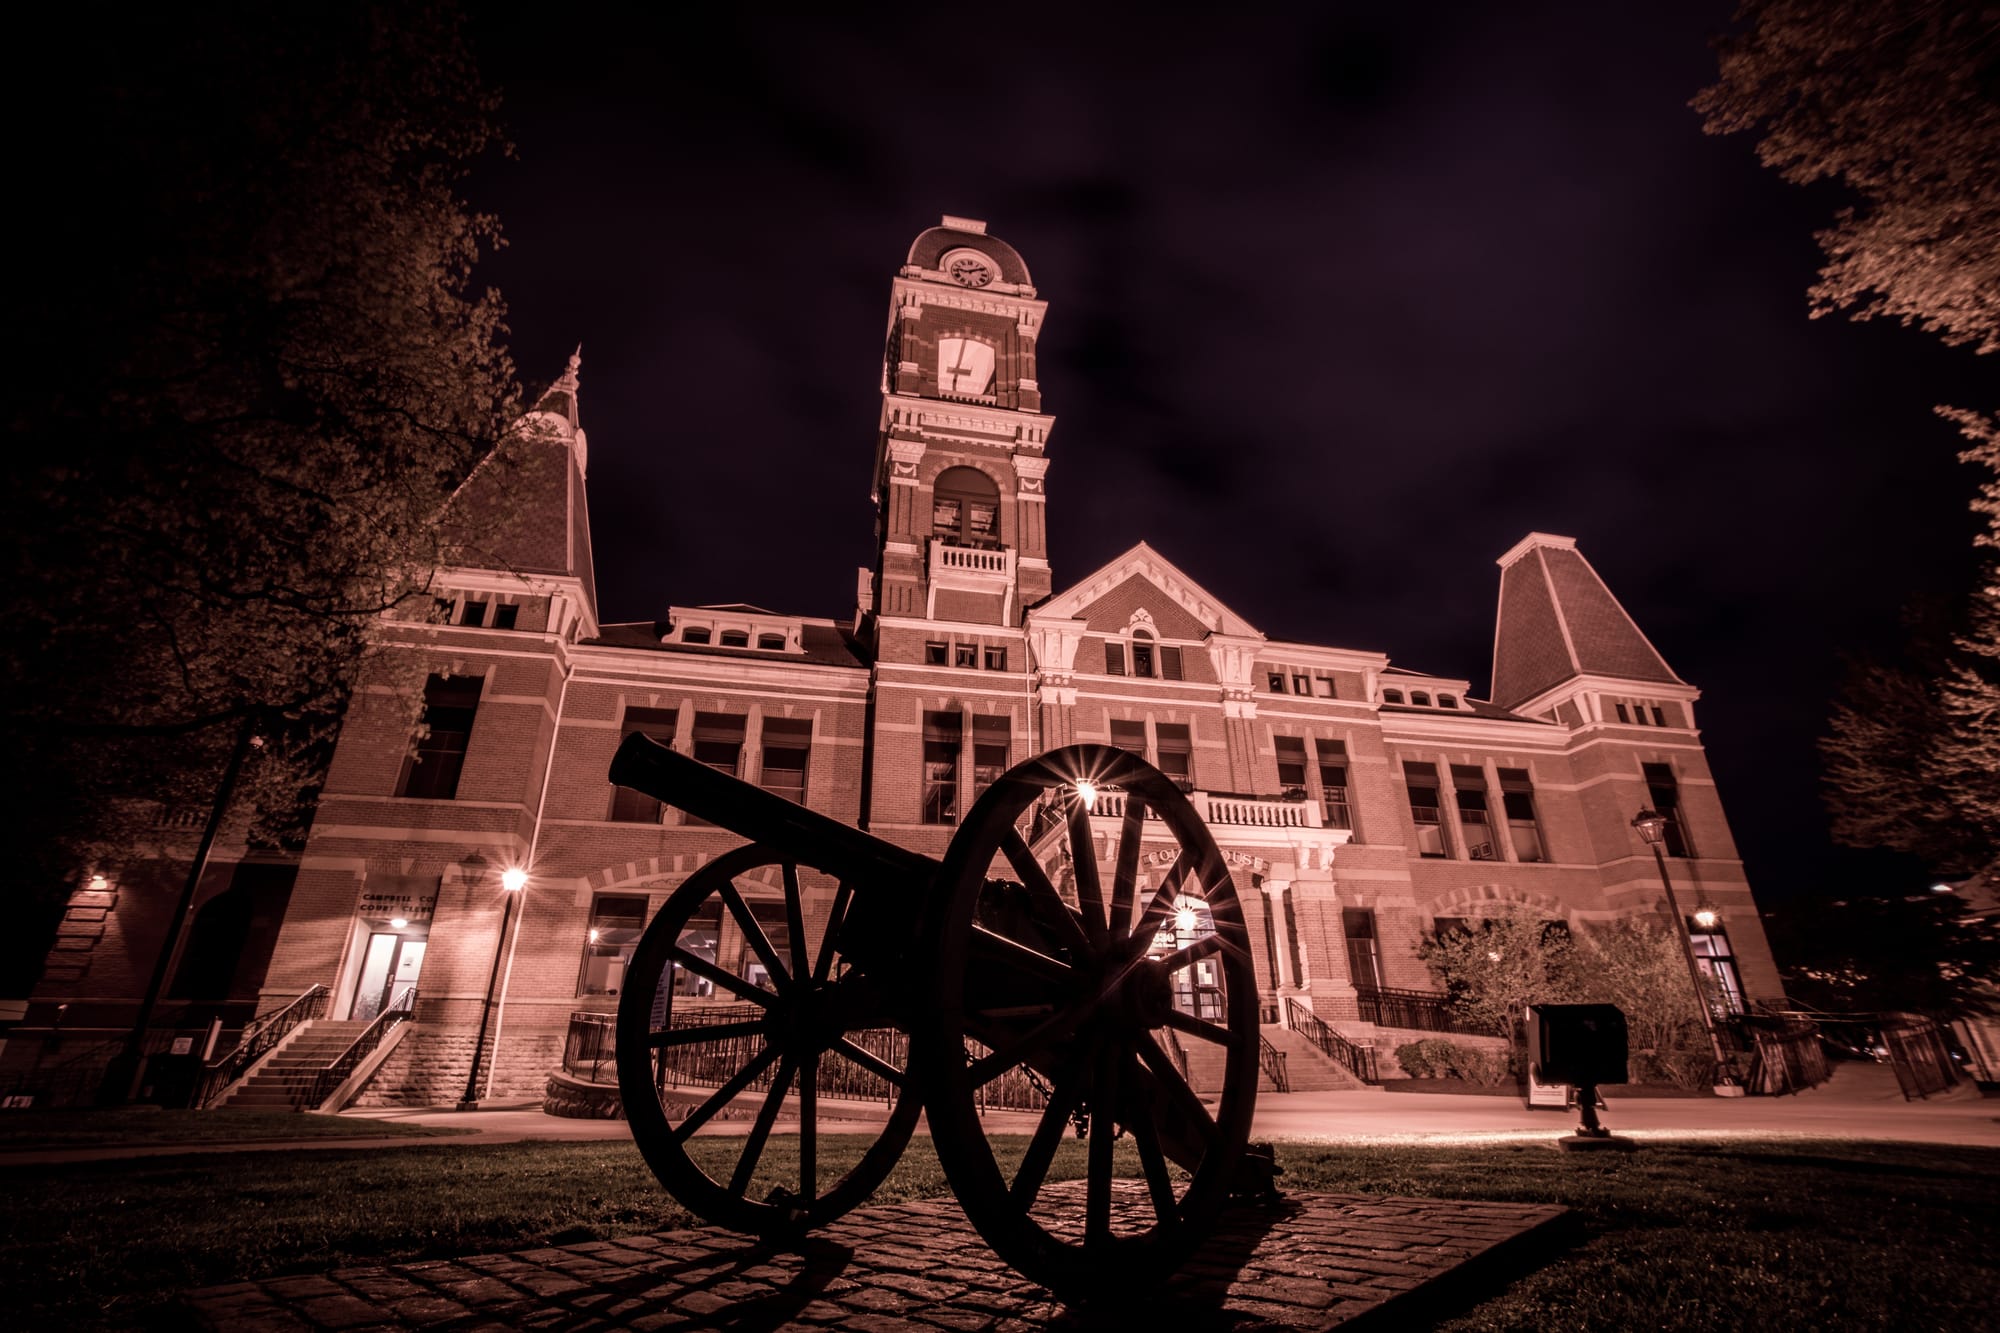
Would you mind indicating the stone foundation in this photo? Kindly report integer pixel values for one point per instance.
(429, 1068)
(566, 1096)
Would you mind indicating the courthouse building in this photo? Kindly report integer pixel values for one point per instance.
(1359, 801)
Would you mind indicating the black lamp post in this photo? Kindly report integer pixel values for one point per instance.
(1652, 826)
(512, 880)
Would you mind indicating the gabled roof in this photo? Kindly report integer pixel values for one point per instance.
(523, 508)
(1143, 562)
(1558, 621)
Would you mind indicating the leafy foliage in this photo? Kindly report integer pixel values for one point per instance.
(1923, 954)
(262, 370)
(1896, 100)
(1516, 958)
(1437, 1057)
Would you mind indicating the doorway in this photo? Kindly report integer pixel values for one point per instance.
(390, 964)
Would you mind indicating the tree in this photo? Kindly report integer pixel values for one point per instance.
(1899, 101)
(1515, 958)
(1637, 964)
(260, 369)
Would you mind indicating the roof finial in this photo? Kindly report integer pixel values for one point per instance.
(568, 380)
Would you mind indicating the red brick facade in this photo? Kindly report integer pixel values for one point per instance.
(959, 620)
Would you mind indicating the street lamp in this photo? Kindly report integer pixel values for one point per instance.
(1652, 826)
(513, 879)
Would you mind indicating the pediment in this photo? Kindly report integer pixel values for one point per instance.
(1143, 580)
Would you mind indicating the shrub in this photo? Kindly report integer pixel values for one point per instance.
(1434, 1057)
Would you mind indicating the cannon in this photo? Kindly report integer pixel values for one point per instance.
(1079, 945)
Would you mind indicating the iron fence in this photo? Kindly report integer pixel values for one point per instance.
(1360, 1060)
(1423, 1011)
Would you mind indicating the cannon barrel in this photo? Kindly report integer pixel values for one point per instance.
(789, 829)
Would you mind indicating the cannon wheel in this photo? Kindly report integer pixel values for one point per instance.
(808, 1019)
(1095, 1023)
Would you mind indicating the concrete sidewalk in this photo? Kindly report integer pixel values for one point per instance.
(1861, 1102)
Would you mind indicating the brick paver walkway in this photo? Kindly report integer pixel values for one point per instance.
(1315, 1261)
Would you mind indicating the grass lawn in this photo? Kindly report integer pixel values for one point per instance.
(24, 1131)
(1694, 1235)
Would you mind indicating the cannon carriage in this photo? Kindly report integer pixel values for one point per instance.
(1017, 970)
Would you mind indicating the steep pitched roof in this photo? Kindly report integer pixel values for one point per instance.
(523, 508)
(1558, 620)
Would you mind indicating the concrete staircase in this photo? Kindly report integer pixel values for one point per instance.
(285, 1080)
(1306, 1068)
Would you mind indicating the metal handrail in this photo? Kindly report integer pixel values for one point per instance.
(260, 1035)
(1272, 1060)
(1359, 1060)
(403, 1006)
(1422, 1011)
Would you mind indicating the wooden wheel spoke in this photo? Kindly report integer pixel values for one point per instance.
(729, 981)
(869, 1061)
(767, 1115)
(1048, 1137)
(1083, 864)
(1174, 1088)
(1146, 1135)
(1197, 1027)
(1163, 901)
(808, 1129)
(1097, 1186)
(1057, 1025)
(759, 942)
(1052, 911)
(1125, 877)
(725, 1094)
(1188, 957)
(667, 1037)
(795, 920)
(834, 920)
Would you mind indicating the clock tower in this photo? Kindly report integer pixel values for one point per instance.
(962, 536)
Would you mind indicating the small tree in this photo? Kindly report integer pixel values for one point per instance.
(1637, 964)
(1513, 959)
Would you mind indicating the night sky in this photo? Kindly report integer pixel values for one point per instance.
(1340, 308)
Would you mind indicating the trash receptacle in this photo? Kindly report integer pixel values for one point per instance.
(1583, 1045)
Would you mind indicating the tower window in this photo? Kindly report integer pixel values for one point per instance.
(1274, 681)
(937, 654)
(1663, 793)
(942, 735)
(1176, 751)
(965, 507)
(996, 659)
(505, 615)
(473, 614)
(965, 655)
(1301, 683)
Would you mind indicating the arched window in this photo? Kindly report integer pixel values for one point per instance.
(1421, 699)
(1142, 653)
(965, 507)
(1392, 696)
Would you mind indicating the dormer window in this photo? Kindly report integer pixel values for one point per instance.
(965, 507)
(1420, 698)
(1392, 696)
(694, 634)
(735, 638)
(1447, 701)
(774, 643)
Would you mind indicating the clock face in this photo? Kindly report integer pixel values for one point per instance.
(968, 270)
(965, 365)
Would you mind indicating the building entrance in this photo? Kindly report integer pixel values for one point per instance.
(391, 963)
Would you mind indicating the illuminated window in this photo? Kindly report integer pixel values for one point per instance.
(1712, 955)
(1364, 956)
(615, 926)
